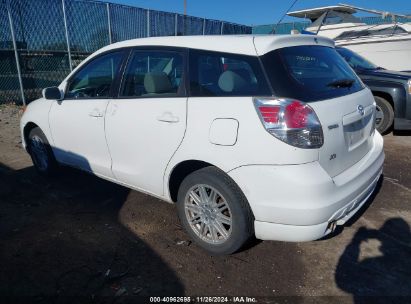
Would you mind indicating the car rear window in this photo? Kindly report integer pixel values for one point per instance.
(221, 74)
(310, 73)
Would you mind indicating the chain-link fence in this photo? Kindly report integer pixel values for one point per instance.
(42, 40)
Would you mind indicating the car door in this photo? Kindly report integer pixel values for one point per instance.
(146, 123)
(77, 121)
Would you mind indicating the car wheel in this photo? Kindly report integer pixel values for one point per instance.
(41, 153)
(384, 115)
(214, 211)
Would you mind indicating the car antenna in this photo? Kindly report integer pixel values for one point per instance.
(282, 17)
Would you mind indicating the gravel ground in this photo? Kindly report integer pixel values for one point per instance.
(78, 235)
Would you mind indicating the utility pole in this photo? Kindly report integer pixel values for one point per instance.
(16, 54)
(185, 7)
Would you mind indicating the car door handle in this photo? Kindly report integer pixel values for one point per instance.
(168, 117)
(96, 113)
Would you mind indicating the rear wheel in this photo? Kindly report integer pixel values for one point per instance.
(214, 211)
(40, 152)
(384, 115)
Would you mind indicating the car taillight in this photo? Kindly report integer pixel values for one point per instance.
(291, 121)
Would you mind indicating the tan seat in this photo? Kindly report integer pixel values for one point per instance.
(157, 83)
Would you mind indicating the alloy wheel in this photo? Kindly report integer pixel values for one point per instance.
(379, 116)
(208, 214)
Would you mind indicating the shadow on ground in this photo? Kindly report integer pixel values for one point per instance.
(79, 235)
(365, 271)
(62, 238)
(401, 132)
(377, 262)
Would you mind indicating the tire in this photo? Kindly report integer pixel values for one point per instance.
(41, 153)
(384, 115)
(223, 222)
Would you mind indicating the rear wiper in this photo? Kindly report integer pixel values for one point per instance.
(341, 83)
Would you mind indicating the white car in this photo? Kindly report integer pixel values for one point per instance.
(265, 136)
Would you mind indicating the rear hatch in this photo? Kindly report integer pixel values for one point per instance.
(319, 76)
(348, 123)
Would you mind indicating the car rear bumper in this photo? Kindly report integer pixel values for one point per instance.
(302, 202)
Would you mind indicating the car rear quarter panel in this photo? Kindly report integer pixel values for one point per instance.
(254, 145)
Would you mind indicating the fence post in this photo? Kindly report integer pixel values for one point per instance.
(148, 23)
(16, 54)
(110, 39)
(176, 24)
(204, 25)
(222, 27)
(67, 36)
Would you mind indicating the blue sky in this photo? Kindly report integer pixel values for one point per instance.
(257, 12)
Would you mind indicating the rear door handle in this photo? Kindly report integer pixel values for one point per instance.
(96, 113)
(168, 117)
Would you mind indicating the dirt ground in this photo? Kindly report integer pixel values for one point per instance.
(78, 235)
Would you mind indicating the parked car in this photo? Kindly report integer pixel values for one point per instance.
(265, 136)
(391, 90)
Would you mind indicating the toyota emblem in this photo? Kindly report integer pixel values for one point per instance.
(360, 109)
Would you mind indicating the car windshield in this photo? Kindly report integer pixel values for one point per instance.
(392, 30)
(356, 61)
(309, 73)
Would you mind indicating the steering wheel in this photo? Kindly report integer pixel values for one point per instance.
(81, 93)
(102, 90)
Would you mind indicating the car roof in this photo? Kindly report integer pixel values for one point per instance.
(252, 45)
(236, 44)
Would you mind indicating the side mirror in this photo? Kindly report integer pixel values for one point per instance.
(52, 93)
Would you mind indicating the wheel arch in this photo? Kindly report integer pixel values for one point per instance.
(386, 96)
(26, 131)
(181, 171)
(395, 94)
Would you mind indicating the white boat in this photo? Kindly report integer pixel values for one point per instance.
(387, 45)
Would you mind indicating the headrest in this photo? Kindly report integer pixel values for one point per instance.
(230, 81)
(243, 73)
(157, 82)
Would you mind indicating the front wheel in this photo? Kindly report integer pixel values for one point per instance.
(214, 211)
(41, 153)
(384, 115)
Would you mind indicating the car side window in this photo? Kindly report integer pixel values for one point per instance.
(153, 73)
(95, 79)
(220, 74)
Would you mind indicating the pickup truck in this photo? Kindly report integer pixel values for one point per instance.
(391, 90)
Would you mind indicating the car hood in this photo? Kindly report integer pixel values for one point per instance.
(386, 74)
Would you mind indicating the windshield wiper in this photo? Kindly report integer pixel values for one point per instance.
(341, 83)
